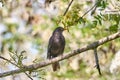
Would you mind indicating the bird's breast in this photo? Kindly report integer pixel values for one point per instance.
(57, 38)
(57, 43)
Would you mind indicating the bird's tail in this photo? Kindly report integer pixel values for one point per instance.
(56, 66)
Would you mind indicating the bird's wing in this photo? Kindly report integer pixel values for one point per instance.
(49, 47)
(63, 45)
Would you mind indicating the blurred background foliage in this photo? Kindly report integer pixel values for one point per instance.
(26, 26)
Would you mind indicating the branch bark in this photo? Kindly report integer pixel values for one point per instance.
(62, 57)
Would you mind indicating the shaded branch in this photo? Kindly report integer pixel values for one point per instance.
(97, 61)
(62, 57)
(68, 8)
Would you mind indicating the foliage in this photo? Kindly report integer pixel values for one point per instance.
(27, 29)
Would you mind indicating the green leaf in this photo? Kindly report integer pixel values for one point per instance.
(81, 20)
(94, 23)
(113, 28)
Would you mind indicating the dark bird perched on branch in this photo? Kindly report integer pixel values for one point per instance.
(56, 46)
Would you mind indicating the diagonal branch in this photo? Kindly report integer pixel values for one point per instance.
(62, 57)
(68, 8)
(94, 6)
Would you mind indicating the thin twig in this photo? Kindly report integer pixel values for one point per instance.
(28, 76)
(62, 57)
(9, 61)
(14, 65)
(67, 8)
(97, 61)
(87, 11)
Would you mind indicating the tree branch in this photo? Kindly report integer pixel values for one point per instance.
(97, 61)
(94, 6)
(15, 65)
(68, 8)
(62, 57)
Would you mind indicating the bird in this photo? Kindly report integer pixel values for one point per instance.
(56, 46)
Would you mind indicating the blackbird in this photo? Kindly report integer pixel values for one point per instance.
(56, 46)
